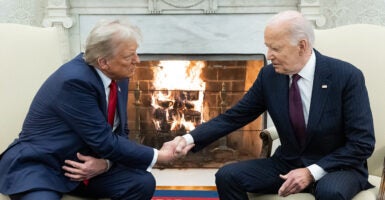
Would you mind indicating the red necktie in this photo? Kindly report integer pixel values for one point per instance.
(296, 111)
(112, 100)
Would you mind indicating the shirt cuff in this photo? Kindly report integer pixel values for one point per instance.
(154, 159)
(316, 171)
(189, 139)
(109, 164)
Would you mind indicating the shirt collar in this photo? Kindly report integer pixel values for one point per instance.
(307, 72)
(106, 81)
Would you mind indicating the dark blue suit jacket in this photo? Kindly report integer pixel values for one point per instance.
(340, 132)
(68, 115)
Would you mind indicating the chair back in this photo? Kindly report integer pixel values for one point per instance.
(362, 45)
(28, 56)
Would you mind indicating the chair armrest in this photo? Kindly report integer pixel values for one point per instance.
(381, 191)
(267, 135)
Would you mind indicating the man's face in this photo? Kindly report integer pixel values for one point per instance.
(285, 57)
(123, 63)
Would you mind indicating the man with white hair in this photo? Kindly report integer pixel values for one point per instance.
(320, 108)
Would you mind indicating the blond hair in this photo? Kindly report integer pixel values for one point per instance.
(105, 36)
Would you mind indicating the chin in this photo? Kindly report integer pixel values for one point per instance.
(279, 71)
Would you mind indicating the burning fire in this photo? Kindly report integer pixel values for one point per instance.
(178, 96)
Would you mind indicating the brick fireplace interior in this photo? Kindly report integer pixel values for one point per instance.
(223, 79)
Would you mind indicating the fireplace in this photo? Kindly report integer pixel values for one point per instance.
(171, 94)
(224, 34)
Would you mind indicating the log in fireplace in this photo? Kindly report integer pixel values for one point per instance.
(171, 94)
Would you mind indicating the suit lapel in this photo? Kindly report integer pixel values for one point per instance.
(103, 99)
(283, 95)
(100, 86)
(320, 92)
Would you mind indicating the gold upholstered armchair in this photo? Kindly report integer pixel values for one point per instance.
(362, 45)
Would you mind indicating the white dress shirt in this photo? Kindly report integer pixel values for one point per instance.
(305, 85)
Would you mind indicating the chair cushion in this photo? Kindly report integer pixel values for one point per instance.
(369, 194)
(298, 196)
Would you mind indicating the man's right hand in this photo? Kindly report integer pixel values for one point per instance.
(182, 148)
(173, 149)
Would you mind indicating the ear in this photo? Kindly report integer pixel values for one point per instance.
(303, 46)
(103, 63)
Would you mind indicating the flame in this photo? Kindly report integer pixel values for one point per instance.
(177, 82)
(179, 75)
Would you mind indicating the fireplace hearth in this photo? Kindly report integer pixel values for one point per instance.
(172, 94)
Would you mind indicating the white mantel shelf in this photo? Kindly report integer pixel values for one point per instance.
(165, 21)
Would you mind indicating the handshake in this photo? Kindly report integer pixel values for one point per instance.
(173, 150)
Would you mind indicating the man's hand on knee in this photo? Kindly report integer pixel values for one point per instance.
(87, 168)
(295, 181)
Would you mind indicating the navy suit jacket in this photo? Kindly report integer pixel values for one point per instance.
(340, 132)
(68, 115)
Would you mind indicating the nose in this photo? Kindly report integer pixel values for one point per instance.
(270, 55)
(136, 58)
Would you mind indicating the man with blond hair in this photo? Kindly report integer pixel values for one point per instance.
(75, 136)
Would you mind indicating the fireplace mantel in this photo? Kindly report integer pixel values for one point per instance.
(178, 26)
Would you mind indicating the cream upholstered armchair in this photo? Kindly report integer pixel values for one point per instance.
(28, 56)
(364, 46)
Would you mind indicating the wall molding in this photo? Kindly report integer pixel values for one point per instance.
(57, 16)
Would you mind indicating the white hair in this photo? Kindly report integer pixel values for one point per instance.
(299, 27)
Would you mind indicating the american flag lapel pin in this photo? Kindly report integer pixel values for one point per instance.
(324, 86)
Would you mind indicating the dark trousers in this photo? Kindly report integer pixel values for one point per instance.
(262, 176)
(119, 183)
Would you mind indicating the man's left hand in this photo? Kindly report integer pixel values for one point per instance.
(90, 167)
